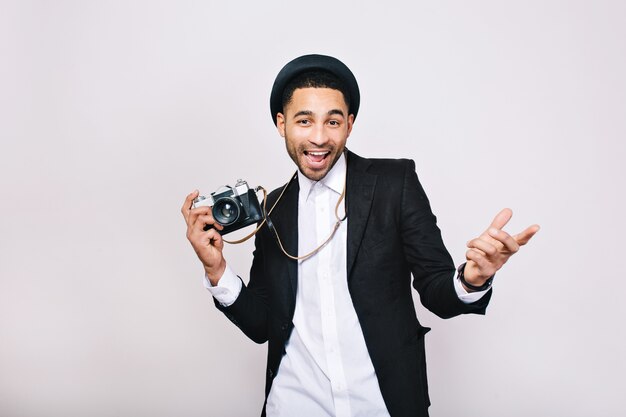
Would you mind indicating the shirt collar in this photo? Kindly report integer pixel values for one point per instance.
(335, 179)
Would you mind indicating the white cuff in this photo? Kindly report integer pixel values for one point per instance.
(227, 289)
(466, 297)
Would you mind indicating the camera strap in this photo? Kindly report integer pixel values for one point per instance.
(321, 246)
(267, 220)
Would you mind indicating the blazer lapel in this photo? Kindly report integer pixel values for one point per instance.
(359, 195)
(285, 219)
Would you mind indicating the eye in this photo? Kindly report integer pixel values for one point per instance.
(303, 122)
(334, 122)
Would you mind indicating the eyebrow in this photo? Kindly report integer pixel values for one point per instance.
(336, 111)
(310, 113)
(303, 113)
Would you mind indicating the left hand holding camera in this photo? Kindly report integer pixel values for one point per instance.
(493, 248)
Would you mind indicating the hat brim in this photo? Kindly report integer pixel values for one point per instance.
(311, 62)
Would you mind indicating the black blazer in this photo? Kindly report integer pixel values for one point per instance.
(392, 234)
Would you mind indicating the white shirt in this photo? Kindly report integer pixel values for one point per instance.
(326, 369)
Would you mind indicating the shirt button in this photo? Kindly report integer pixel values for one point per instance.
(285, 326)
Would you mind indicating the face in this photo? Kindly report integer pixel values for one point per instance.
(315, 125)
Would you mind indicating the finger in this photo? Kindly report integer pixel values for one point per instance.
(485, 268)
(504, 238)
(203, 237)
(485, 247)
(523, 237)
(188, 203)
(476, 249)
(207, 220)
(195, 213)
(214, 238)
(206, 245)
(501, 219)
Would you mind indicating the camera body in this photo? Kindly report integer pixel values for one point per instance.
(233, 207)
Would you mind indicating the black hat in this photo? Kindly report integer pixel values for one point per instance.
(314, 62)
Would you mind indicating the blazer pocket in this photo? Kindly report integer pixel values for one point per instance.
(418, 337)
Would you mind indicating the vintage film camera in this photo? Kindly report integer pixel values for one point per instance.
(233, 207)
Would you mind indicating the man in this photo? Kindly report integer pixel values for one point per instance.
(344, 339)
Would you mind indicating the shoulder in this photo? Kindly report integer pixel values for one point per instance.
(392, 167)
(286, 190)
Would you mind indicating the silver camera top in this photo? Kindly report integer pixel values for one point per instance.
(240, 188)
(202, 201)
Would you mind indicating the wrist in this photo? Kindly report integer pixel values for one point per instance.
(473, 287)
(214, 273)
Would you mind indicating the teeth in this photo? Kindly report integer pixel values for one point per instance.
(318, 153)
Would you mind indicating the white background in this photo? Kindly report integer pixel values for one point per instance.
(112, 111)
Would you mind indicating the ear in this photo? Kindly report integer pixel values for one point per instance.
(280, 124)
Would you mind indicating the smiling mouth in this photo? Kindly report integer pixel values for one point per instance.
(316, 156)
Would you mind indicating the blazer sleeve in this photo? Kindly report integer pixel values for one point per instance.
(250, 310)
(430, 263)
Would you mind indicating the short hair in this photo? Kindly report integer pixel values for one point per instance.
(315, 79)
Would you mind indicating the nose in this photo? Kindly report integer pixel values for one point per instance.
(319, 136)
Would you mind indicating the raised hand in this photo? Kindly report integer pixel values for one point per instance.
(207, 244)
(488, 252)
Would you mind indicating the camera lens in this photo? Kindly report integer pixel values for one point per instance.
(226, 211)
